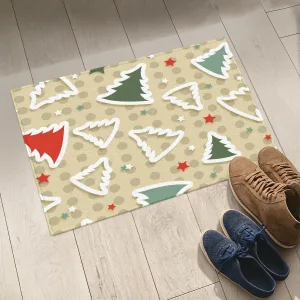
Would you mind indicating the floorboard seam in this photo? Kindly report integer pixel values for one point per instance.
(69, 20)
(268, 11)
(289, 35)
(13, 8)
(11, 248)
(145, 255)
(269, 122)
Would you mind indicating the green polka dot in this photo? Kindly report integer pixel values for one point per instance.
(174, 170)
(156, 123)
(180, 80)
(76, 214)
(212, 107)
(67, 110)
(72, 122)
(193, 163)
(150, 164)
(79, 83)
(25, 121)
(22, 110)
(176, 70)
(233, 66)
(116, 74)
(97, 207)
(135, 181)
(220, 81)
(198, 123)
(54, 221)
(81, 157)
(102, 152)
(262, 129)
(205, 50)
(174, 118)
(249, 146)
(252, 107)
(64, 176)
(68, 188)
(90, 117)
(60, 89)
(217, 169)
(126, 157)
(155, 175)
(83, 95)
(114, 188)
(198, 175)
(102, 90)
(122, 145)
(239, 124)
(19, 99)
(110, 111)
(119, 200)
(221, 129)
(185, 140)
(98, 78)
(187, 152)
(133, 117)
(203, 135)
(119, 134)
(207, 96)
(218, 118)
(152, 111)
(170, 157)
(225, 91)
(253, 157)
(87, 105)
(161, 86)
(170, 106)
(158, 75)
(62, 164)
(154, 64)
(89, 181)
(39, 170)
(198, 75)
(189, 55)
(244, 134)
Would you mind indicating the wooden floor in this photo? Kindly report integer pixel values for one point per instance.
(152, 253)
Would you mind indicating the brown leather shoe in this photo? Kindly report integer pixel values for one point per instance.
(277, 166)
(266, 201)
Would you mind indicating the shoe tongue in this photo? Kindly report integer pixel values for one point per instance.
(292, 193)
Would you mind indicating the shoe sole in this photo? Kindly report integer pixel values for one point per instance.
(210, 262)
(256, 219)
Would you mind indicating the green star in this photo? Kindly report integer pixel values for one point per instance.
(80, 107)
(123, 168)
(213, 175)
(144, 112)
(208, 86)
(197, 46)
(249, 129)
(64, 216)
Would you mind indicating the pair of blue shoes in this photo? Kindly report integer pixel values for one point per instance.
(246, 256)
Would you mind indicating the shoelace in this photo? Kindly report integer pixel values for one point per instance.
(250, 237)
(263, 185)
(229, 255)
(286, 172)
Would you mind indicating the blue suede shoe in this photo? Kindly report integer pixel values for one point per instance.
(235, 262)
(245, 232)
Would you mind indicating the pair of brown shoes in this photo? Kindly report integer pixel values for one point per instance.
(270, 193)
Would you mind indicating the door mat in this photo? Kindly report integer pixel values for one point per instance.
(116, 138)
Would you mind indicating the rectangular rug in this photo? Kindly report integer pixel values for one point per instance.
(116, 138)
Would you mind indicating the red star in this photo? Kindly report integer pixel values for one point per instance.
(43, 178)
(268, 137)
(111, 206)
(170, 62)
(209, 119)
(182, 166)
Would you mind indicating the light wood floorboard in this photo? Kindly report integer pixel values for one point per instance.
(9, 282)
(101, 38)
(270, 5)
(170, 236)
(292, 46)
(114, 260)
(286, 21)
(211, 292)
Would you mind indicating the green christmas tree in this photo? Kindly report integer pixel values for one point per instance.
(216, 62)
(130, 89)
(219, 149)
(162, 191)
